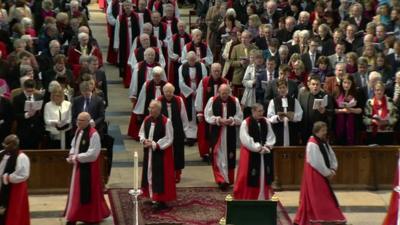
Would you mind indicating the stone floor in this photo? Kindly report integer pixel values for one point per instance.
(360, 207)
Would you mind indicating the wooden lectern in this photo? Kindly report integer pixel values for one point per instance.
(254, 212)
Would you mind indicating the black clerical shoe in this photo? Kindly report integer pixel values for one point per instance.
(223, 186)
(158, 206)
(206, 158)
(190, 141)
(70, 223)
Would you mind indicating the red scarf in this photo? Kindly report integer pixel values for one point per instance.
(375, 111)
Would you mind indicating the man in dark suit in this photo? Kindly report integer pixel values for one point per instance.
(91, 103)
(99, 76)
(271, 90)
(6, 117)
(286, 33)
(45, 58)
(264, 39)
(361, 76)
(270, 13)
(29, 123)
(310, 114)
(310, 58)
(394, 58)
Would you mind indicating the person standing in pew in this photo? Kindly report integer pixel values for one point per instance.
(14, 170)
(86, 201)
(30, 126)
(254, 177)
(318, 203)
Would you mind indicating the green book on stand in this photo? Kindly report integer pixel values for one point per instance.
(251, 212)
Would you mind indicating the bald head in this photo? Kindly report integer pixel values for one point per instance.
(83, 120)
(191, 58)
(224, 91)
(11, 142)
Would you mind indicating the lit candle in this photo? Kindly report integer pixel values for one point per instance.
(135, 170)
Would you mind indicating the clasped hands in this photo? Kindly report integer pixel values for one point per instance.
(148, 143)
(72, 159)
(226, 122)
(264, 150)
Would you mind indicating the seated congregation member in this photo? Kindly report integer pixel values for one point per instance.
(256, 138)
(173, 108)
(157, 136)
(90, 103)
(29, 120)
(175, 47)
(271, 90)
(348, 107)
(223, 114)
(250, 81)
(239, 61)
(208, 88)
(380, 117)
(86, 201)
(190, 75)
(201, 49)
(284, 112)
(151, 89)
(14, 172)
(316, 105)
(57, 118)
(317, 201)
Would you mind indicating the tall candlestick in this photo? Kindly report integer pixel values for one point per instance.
(135, 171)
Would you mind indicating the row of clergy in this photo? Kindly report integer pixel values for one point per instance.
(196, 89)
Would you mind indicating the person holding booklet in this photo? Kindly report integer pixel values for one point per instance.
(27, 107)
(380, 116)
(316, 105)
(348, 107)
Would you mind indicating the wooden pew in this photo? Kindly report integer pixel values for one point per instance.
(50, 172)
(360, 167)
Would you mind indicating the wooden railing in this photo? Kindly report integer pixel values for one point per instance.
(360, 167)
(50, 172)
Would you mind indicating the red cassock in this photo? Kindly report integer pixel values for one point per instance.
(223, 137)
(158, 177)
(317, 200)
(18, 206)
(250, 170)
(112, 12)
(96, 209)
(143, 77)
(392, 216)
(207, 91)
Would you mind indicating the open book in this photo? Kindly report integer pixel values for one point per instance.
(320, 102)
(33, 105)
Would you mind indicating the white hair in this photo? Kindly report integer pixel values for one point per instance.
(304, 13)
(26, 21)
(82, 35)
(196, 31)
(231, 11)
(158, 70)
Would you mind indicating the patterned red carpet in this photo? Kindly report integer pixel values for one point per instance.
(194, 206)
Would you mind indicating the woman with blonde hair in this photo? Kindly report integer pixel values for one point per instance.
(57, 117)
(253, 24)
(380, 117)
